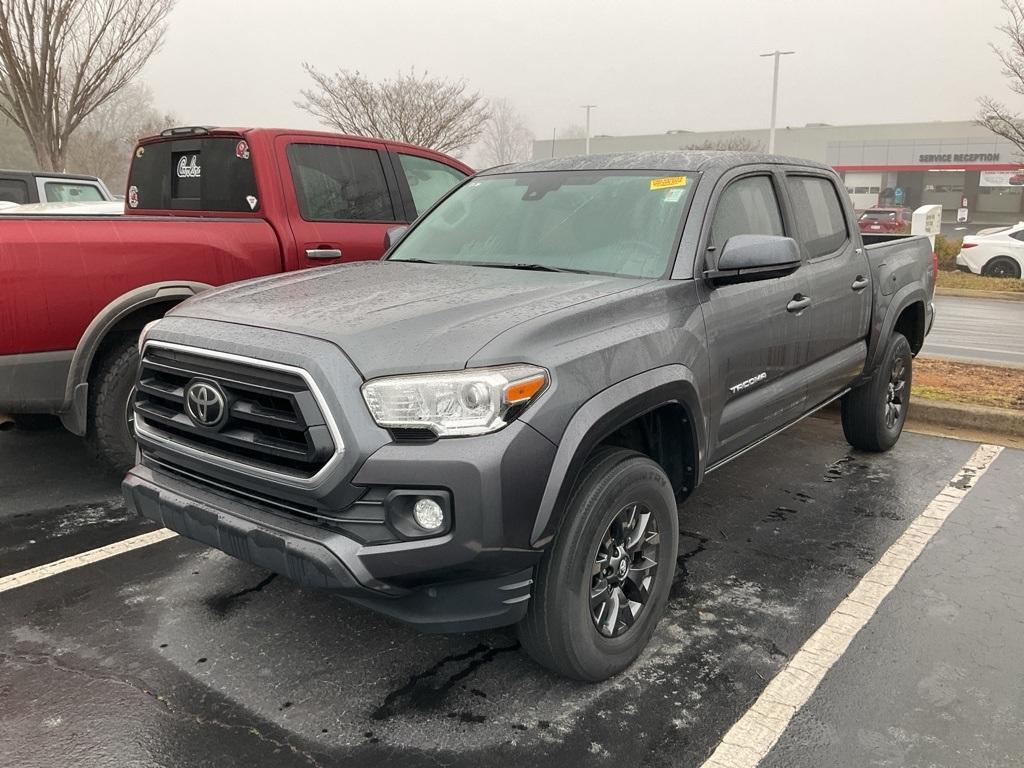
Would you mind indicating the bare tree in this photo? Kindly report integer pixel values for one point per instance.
(429, 111)
(730, 144)
(103, 143)
(993, 114)
(15, 152)
(61, 59)
(506, 138)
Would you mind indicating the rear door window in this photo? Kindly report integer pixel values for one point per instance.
(336, 183)
(428, 179)
(748, 206)
(13, 191)
(71, 192)
(194, 174)
(820, 220)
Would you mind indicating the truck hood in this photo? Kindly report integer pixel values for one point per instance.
(391, 317)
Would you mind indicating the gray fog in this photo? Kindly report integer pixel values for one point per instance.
(650, 66)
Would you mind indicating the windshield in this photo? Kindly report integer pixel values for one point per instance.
(600, 222)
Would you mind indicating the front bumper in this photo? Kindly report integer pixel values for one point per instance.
(475, 576)
(315, 557)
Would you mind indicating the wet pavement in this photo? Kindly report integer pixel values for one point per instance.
(977, 331)
(176, 655)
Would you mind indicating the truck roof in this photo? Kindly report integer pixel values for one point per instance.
(676, 160)
(269, 133)
(47, 175)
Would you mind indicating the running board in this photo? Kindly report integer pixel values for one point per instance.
(770, 435)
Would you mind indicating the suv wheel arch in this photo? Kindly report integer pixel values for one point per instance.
(613, 417)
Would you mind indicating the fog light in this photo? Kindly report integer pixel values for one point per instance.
(428, 514)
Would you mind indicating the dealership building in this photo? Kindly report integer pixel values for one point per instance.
(910, 164)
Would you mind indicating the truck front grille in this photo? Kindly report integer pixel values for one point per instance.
(271, 420)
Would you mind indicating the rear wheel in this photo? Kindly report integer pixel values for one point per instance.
(1002, 266)
(109, 430)
(603, 583)
(874, 413)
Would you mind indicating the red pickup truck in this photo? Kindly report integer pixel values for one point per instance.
(204, 207)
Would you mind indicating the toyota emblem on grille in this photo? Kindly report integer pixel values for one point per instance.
(205, 404)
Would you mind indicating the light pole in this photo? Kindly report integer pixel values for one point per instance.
(775, 95)
(588, 107)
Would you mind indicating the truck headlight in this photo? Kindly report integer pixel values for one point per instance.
(470, 402)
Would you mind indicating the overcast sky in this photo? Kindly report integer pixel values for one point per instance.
(649, 65)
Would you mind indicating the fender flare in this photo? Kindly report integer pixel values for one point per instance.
(76, 391)
(903, 298)
(601, 416)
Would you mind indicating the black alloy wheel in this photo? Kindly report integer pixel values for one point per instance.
(896, 399)
(624, 568)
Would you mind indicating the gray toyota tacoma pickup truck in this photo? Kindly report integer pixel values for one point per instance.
(496, 423)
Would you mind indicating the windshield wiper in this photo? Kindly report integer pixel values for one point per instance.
(533, 268)
(415, 261)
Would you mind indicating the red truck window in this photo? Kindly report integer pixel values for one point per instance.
(194, 174)
(334, 183)
(428, 179)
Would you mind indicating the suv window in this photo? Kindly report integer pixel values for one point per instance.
(13, 191)
(820, 221)
(428, 179)
(70, 192)
(747, 207)
(335, 183)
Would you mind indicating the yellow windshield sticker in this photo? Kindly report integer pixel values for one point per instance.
(668, 182)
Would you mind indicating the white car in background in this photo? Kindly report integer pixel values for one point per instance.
(997, 252)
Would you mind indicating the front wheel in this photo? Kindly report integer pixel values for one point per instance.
(603, 583)
(875, 412)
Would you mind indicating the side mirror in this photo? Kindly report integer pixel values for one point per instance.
(393, 235)
(746, 258)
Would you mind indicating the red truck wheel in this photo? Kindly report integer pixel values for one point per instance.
(109, 389)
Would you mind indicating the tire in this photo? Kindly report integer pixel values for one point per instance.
(875, 412)
(560, 631)
(110, 388)
(1001, 266)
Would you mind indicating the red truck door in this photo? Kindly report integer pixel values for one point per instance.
(342, 197)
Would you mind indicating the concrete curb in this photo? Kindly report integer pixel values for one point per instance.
(968, 293)
(1001, 421)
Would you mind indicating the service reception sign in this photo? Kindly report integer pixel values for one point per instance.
(1001, 178)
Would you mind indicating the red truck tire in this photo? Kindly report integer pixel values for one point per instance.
(109, 430)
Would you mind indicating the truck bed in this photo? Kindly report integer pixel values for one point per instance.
(65, 257)
(901, 266)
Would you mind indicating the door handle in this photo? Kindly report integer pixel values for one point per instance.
(324, 254)
(860, 283)
(799, 303)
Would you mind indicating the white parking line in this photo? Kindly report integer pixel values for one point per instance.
(754, 734)
(41, 572)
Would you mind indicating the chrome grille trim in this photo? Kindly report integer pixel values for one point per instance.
(282, 478)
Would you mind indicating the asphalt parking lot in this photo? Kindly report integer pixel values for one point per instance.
(175, 655)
